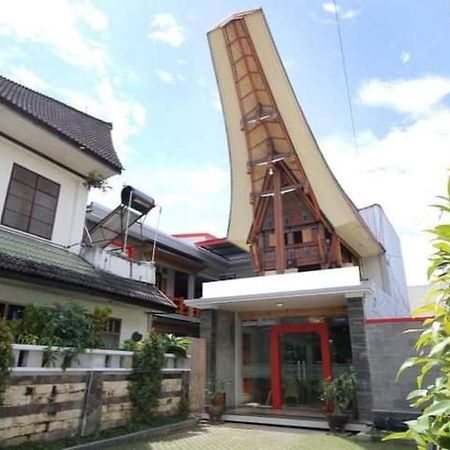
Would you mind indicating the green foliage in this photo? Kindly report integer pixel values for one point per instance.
(69, 327)
(131, 345)
(433, 348)
(339, 392)
(100, 317)
(96, 180)
(6, 356)
(215, 388)
(178, 345)
(146, 378)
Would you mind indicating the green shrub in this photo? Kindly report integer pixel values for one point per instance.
(339, 393)
(433, 347)
(6, 356)
(146, 378)
(70, 327)
(178, 345)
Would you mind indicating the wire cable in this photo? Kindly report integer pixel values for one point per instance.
(344, 68)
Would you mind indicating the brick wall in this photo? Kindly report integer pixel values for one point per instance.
(52, 406)
(389, 347)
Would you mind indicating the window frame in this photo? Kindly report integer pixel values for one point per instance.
(29, 217)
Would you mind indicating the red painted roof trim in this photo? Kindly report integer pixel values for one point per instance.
(188, 235)
(212, 242)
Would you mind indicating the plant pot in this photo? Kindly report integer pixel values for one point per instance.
(214, 412)
(219, 399)
(337, 422)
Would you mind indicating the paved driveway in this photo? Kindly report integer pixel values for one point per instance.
(249, 437)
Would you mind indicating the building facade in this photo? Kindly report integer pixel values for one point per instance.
(326, 276)
(50, 154)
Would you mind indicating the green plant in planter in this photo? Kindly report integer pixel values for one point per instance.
(146, 378)
(6, 356)
(68, 327)
(132, 344)
(215, 399)
(178, 345)
(338, 394)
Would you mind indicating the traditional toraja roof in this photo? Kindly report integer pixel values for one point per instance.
(40, 261)
(87, 133)
(254, 87)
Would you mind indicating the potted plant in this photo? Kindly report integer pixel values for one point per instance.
(216, 399)
(338, 394)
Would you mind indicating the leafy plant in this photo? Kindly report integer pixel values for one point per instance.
(146, 378)
(339, 392)
(6, 356)
(100, 318)
(96, 180)
(433, 348)
(215, 388)
(178, 345)
(131, 345)
(69, 327)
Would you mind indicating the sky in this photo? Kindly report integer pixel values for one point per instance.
(145, 66)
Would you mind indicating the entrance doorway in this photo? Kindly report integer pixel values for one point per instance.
(300, 361)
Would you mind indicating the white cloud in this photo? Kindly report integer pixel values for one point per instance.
(332, 8)
(350, 14)
(169, 77)
(29, 78)
(404, 171)
(416, 96)
(58, 24)
(193, 199)
(405, 57)
(107, 103)
(165, 28)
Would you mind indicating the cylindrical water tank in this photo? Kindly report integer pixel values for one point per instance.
(139, 201)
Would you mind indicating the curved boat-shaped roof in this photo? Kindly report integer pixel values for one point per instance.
(254, 36)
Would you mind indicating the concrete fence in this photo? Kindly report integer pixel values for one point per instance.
(47, 403)
(31, 357)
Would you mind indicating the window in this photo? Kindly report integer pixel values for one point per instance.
(30, 203)
(181, 284)
(297, 237)
(111, 336)
(162, 278)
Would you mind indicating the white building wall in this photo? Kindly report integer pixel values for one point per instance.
(134, 318)
(386, 271)
(69, 219)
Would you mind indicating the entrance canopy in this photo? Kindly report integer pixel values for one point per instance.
(291, 291)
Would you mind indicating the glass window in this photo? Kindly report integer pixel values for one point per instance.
(256, 373)
(30, 203)
(111, 336)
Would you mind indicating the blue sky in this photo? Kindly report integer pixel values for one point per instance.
(145, 66)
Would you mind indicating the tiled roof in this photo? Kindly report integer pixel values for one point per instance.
(91, 134)
(42, 261)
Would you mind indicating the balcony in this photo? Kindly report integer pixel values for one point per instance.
(297, 255)
(183, 309)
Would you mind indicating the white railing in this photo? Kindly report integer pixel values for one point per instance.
(32, 357)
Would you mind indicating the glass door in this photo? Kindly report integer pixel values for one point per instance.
(301, 369)
(300, 359)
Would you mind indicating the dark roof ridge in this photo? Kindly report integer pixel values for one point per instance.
(55, 100)
(83, 132)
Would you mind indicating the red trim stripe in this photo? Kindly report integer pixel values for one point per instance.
(396, 320)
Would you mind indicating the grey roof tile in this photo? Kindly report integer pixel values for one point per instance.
(37, 259)
(91, 134)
